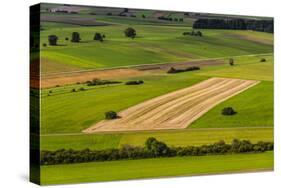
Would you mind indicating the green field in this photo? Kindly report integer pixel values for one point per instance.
(151, 46)
(154, 168)
(60, 114)
(191, 137)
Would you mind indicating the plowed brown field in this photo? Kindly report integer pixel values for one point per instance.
(175, 110)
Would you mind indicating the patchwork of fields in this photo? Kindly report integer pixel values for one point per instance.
(175, 110)
(182, 109)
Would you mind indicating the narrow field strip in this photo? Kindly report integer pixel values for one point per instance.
(175, 110)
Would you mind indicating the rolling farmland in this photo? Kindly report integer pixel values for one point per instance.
(181, 109)
(175, 110)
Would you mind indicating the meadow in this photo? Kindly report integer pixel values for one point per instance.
(162, 167)
(191, 137)
(149, 47)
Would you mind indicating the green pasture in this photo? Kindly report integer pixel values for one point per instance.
(69, 112)
(186, 137)
(254, 108)
(153, 44)
(154, 168)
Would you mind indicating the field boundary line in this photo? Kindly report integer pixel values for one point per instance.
(154, 131)
(136, 66)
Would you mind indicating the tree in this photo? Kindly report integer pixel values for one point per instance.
(263, 60)
(143, 16)
(66, 38)
(52, 40)
(198, 33)
(111, 115)
(155, 147)
(130, 32)
(98, 37)
(228, 111)
(231, 62)
(75, 37)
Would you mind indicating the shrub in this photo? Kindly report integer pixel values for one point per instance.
(137, 82)
(44, 44)
(53, 39)
(111, 115)
(66, 38)
(75, 37)
(98, 37)
(228, 111)
(109, 14)
(50, 91)
(73, 90)
(97, 81)
(263, 60)
(193, 33)
(130, 32)
(143, 16)
(82, 89)
(231, 62)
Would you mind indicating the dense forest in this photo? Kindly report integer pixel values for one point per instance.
(239, 24)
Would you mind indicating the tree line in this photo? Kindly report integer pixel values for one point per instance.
(239, 24)
(152, 149)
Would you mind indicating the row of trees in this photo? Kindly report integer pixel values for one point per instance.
(239, 24)
(53, 39)
(193, 33)
(152, 149)
(173, 70)
(170, 19)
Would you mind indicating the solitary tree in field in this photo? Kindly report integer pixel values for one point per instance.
(98, 37)
(52, 40)
(130, 32)
(75, 37)
(231, 62)
(228, 111)
(111, 115)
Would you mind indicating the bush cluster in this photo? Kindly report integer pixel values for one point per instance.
(228, 111)
(172, 70)
(263, 60)
(111, 115)
(152, 149)
(97, 81)
(193, 33)
(134, 82)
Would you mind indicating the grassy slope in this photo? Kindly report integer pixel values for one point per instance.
(60, 114)
(255, 106)
(161, 167)
(72, 112)
(151, 46)
(173, 138)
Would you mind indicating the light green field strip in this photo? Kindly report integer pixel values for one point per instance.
(154, 168)
(172, 138)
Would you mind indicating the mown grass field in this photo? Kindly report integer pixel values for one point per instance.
(154, 168)
(149, 47)
(192, 137)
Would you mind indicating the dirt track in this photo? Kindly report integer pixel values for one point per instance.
(175, 110)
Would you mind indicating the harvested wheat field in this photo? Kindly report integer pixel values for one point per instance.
(175, 110)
